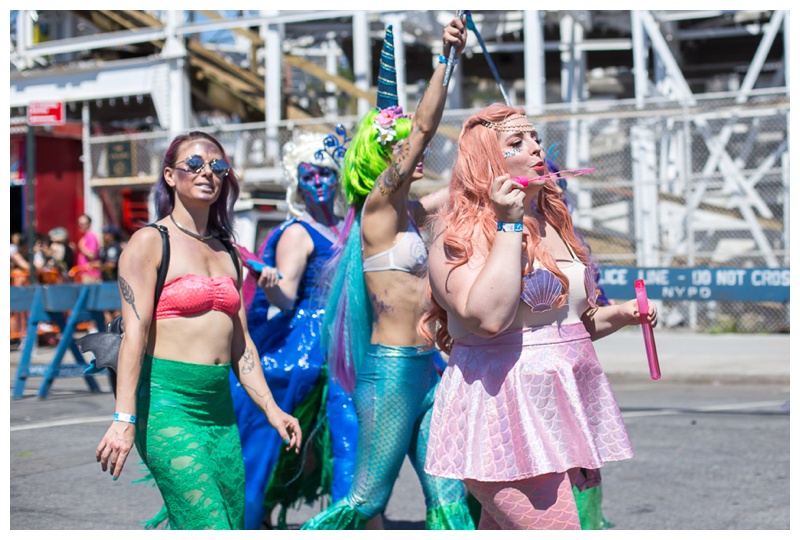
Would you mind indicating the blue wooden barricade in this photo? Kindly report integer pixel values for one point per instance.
(48, 303)
(699, 283)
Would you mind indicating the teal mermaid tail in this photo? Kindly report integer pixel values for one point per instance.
(341, 516)
(394, 394)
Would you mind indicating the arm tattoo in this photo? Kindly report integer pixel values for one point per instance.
(265, 398)
(247, 364)
(390, 180)
(253, 390)
(127, 294)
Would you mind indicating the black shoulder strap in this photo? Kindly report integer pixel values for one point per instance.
(232, 251)
(164, 266)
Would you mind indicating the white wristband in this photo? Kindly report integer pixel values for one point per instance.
(122, 417)
(509, 227)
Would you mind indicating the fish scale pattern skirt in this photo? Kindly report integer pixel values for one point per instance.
(393, 397)
(524, 403)
(186, 434)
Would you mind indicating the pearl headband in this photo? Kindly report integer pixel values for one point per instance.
(515, 122)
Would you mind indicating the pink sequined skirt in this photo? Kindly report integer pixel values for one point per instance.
(524, 403)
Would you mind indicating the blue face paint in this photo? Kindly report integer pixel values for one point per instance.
(317, 184)
(513, 152)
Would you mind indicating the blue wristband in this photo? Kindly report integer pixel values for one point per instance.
(443, 60)
(502, 226)
(122, 417)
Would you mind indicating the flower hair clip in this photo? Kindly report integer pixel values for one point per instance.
(338, 142)
(385, 122)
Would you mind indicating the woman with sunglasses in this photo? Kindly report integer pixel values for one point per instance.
(377, 298)
(173, 395)
(523, 405)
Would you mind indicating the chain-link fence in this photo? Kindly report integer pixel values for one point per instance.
(675, 185)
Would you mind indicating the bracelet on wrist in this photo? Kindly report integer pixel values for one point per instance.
(502, 226)
(122, 417)
(443, 59)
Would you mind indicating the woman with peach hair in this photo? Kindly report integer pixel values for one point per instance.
(523, 405)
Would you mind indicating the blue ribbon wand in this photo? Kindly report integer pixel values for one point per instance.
(448, 69)
(471, 26)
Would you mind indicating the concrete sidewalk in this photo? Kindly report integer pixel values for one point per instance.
(691, 357)
(683, 357)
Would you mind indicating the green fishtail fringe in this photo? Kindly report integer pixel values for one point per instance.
(162, 517)
(450, 517)
(589, 503)
(338, 517)
(590, 509)
(158, 519)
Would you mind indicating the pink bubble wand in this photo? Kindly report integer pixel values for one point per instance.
(647, 329)
(564, 174)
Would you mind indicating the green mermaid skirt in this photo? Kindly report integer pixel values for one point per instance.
(186, 434)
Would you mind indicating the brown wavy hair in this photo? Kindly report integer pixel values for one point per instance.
(469, 209)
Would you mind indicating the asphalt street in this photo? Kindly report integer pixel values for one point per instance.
(711, 445)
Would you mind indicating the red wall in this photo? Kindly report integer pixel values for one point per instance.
(59, 183)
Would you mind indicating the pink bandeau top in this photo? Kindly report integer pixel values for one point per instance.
(191, 294)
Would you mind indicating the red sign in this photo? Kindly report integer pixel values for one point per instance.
(46, 113)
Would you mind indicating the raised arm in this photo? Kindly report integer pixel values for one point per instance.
(138, 267)
(407, 153)
(428, 204)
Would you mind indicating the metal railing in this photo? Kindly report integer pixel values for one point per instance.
(679, 186)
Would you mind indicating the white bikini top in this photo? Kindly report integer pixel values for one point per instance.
(410, 254)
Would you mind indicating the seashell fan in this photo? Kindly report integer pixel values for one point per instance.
(540, 289)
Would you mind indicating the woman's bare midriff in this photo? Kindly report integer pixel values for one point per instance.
(398, 303)
(202, 339)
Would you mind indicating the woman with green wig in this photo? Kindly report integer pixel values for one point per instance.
(377, 297)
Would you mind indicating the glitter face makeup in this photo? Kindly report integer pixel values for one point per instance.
(513, 152)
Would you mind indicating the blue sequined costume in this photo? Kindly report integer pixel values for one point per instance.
(288, 345)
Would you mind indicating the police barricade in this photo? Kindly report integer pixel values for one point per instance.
(65, 305)
(719, 284)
